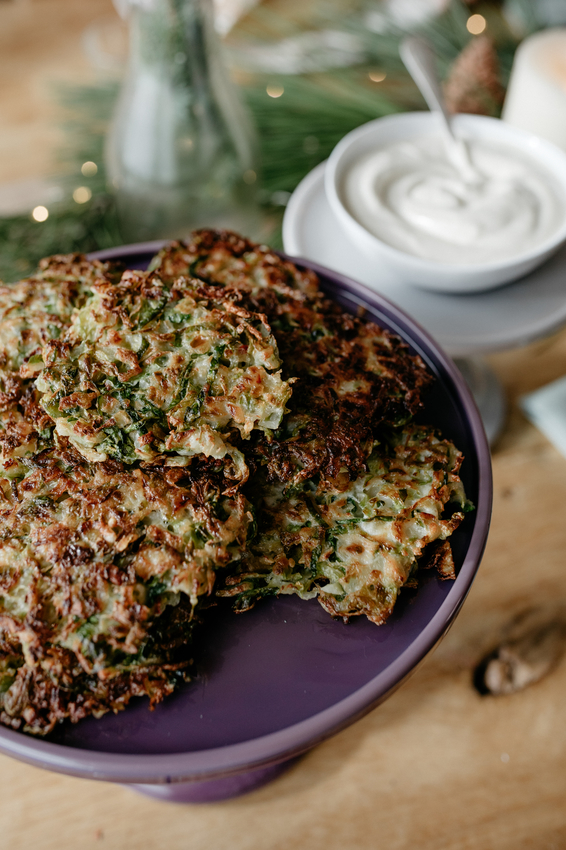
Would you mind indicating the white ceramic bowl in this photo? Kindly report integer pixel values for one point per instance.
(429, 274)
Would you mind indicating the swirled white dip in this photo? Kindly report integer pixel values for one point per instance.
(413, 197)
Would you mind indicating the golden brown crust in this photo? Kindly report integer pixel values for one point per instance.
(37, 697)
(352, 377)
(149, 371)
(355, 546)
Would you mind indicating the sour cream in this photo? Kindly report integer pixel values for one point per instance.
(412, 196)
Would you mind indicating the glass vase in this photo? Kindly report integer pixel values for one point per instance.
(180, 152)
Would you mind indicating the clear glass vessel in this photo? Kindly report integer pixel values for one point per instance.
(181, 152)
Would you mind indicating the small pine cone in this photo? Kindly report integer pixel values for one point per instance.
(529, 648)
(473, 83)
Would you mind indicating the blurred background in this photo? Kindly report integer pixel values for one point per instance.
(306, 72)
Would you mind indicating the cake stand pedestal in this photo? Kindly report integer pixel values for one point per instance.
(487, 392)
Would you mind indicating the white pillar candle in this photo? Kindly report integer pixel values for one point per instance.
(536, 97)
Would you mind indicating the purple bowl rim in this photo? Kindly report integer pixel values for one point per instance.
(299, 737)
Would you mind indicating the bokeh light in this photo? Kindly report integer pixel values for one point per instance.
(40, 213)
(82, 194)
(89, 169)
(476, 24)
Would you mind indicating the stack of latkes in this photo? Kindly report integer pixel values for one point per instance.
(212, 427)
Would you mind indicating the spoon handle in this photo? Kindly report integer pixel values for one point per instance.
(420, 62)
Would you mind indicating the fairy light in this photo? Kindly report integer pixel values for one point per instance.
(82, 194)
(40, 213)
(89, 169)
(476, 24)
(275, 91)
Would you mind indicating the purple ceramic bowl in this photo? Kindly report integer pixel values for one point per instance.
(277, 680)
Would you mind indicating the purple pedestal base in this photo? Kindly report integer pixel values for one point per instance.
(213, 790)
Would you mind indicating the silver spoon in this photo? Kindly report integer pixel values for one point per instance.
(420, 62)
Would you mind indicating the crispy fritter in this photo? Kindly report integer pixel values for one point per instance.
(39, 308)
(92, 554)
(159, 373)
(352, 376)
(355, 548)
(224, 258)
(36, 697)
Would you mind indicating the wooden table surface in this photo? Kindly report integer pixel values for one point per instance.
(436, 767)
